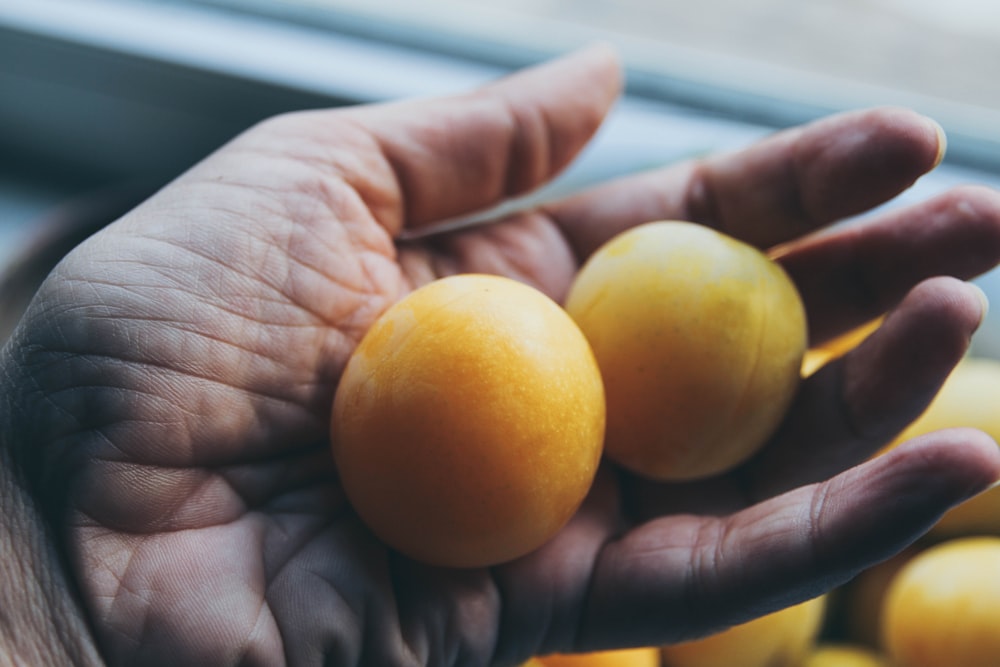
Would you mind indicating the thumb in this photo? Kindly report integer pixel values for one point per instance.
(456, 155)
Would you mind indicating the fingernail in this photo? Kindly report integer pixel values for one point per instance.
(984, 300)
(942, 142)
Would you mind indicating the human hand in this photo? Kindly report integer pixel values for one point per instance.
(169, 390)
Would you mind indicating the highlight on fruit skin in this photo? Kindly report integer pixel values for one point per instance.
(468, 424)
(779, 639)
(943, 608)
(700, 339)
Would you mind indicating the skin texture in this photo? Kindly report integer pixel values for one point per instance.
(168, 392)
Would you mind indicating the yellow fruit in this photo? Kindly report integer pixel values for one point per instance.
(700, 339)
(943, 608)
(862, 597)
(638, 657)
(844, 655)
(818, 356)
(815, 358)
(779, 639)
(969, 397)
(468, 424)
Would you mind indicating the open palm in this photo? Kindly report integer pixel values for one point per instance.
(179, 369)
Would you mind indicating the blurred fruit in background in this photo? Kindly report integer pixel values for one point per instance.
(943, 607)
(860, 600)
(638, 657)
(844, 655)
(969, 397)
(780, 639)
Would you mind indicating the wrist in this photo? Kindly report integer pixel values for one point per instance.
(41, 619)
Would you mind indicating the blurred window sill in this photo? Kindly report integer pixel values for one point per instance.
(91, 96)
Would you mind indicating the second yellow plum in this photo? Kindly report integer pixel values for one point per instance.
(699, 338)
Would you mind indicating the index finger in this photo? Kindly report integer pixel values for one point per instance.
(782, 187)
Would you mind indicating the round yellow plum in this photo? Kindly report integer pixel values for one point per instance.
(700, 339)
(779, 639)
(468, 424)
(943, 608)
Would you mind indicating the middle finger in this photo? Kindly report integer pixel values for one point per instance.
(854, 406)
